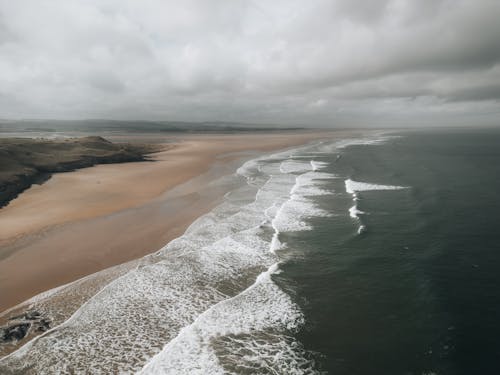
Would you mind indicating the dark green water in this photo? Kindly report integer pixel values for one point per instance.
(419, 291)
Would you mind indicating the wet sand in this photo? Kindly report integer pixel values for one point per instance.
(78, 223)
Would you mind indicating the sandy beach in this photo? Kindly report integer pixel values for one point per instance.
(80, 222)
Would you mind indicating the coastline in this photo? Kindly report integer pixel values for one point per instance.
(30, 161)
(100, 225)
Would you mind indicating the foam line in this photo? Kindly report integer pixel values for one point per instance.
(317, 165)
(352, 186)
(354, 212)
(195, 350)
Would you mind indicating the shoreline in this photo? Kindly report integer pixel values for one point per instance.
(77, 243)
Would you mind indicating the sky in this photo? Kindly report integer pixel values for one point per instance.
(337, 63)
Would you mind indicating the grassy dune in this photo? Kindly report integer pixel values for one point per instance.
(25, 161)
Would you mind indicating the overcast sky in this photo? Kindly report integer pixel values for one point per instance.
(310, 62)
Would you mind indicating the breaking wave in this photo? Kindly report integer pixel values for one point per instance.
(353, 187)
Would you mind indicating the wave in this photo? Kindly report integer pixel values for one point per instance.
(317, 165)
(371, 140)
(233, 324)
(376, 140)
(353, 187)
(214, 342)
(354, 212)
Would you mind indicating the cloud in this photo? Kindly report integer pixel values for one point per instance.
(315, 62)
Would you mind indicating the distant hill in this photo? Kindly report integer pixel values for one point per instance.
(97, 125)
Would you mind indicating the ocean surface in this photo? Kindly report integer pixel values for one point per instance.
(374, 255)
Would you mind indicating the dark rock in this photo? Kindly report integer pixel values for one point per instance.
(15, 332)
(42, 328)
(30, 315)
(20, 326)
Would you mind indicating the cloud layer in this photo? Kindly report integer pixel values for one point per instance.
(315, 62)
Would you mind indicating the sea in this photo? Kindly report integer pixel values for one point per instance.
(377, 254)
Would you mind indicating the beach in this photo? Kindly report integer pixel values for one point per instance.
(213, 286)
(84, 221)
(281, 261)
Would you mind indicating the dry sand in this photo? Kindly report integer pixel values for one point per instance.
(78, 223)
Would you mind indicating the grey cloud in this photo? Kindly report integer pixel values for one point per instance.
(489, 92)
(5, 35)
(315, 62)
(105, 80)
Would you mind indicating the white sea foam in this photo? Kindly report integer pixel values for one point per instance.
(251, 167)
(354, 212)
(377, 140)
(354, 186)
(370, 140)
(311, 184)
(361, 229)
(207, 345)
(293, 213)
(317, 165)
(295, 166)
